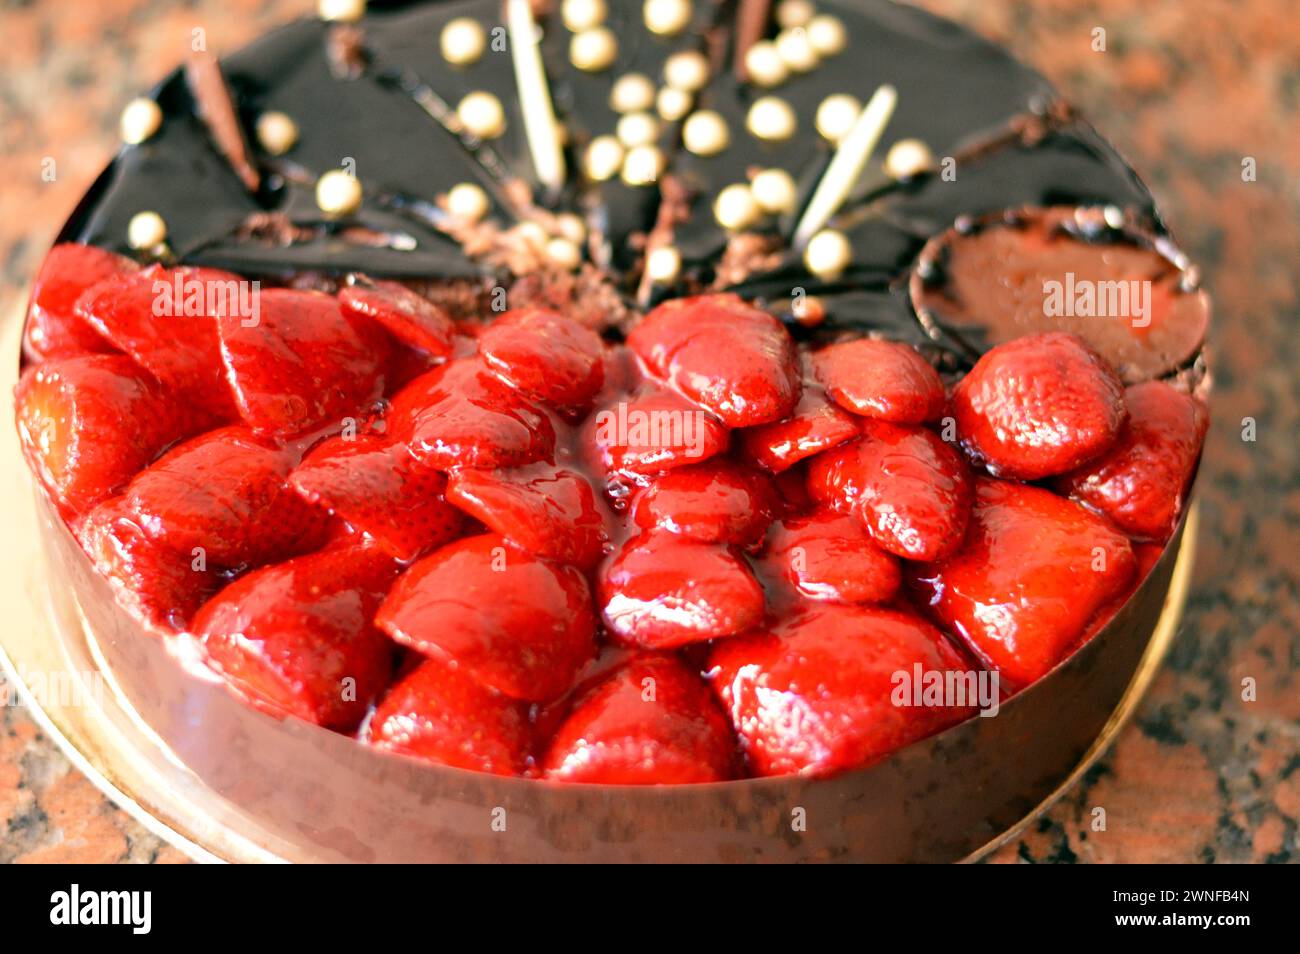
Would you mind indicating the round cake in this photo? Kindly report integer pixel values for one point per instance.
(613, 394)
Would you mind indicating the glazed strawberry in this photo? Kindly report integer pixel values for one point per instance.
(303, 365)
(1140, 482)
(408, 317)
(376, 486)
(442, 715)
(815, 695)
(830, 556)
(1038, 406)
(462, 415)
(1032, 571)
(726, 355)
(225, 495)
(297, 638)
(520, 624)
(543, 509)
(662, 591)
(54, 330)
(713, 502)
(652, 721)
(886, 380)
(815, 426)
(910, 489)
(547, 356)
(651, 434)
(88, 424)
(158, 585)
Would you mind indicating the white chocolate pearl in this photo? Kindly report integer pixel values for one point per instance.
(705, 133)
(637, 129)
(593, 50)
(571, 227)
(827, 34)
(667, 17)
(688, 70)
(663, 265)
(276, 132)
(796, 50)
(141, 118)
(764, 65)
(775, 191)
(563, 254)
(907, 157)
(604, 158)
(579, 15)
(836, 116)
(146, 230)
(338, 193)
(793, 13)
(828, 254)
(673, 103)
(341, 11)
(462, 41)
(642, 165)
(736, 208)
(482, 114)
(468, 202)
(771, 118)
(632, 93)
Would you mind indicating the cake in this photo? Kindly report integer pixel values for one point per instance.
(571, 391)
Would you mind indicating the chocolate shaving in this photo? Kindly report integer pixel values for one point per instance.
(746, 254)
(674, 209)
(751, 25)
(345, 50)
(216, 107)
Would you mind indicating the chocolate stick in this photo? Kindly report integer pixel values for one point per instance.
(751, 24)
(216, 107)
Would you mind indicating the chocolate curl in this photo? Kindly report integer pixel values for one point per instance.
(216, 107)
(751, 24)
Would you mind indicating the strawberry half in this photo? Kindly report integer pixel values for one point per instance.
(53, 329)
(303, 365)
(652, 721)
(297, 638)
(830, 556)
(816, 695)
(662, 591)
(545, 355)
(910, 489)
(1038, 406)
(376, 486)
(713, 502)
(1141, 482)
(651, 434)
(440, 714)
(541, 508)
(815, 426)
(887, 380)
(1032, 571)
(726, 355)
(225, 495)
(410, 318)
(88, 424)
(520, 624)
(462, 415)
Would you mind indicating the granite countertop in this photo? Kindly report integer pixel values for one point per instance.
(1186, 90)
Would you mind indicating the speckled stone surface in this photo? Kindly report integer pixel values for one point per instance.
(1188, 91)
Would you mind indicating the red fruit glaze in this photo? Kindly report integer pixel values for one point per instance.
(520, 624)
(814, 695)
(726, 355)
(1140, 483)
(376, 486)
(652, 721)
(650, 434)
(303, 365)
(830, 556)
(548, 357)
(713, 502)
(54, 330)
(297, 638)
(1038, 406)
(408, 317)
(439, 713)
(661, 591)
(545, 510)
(1032, 571)
(881, 379)
(815, 426)
(910, 489)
